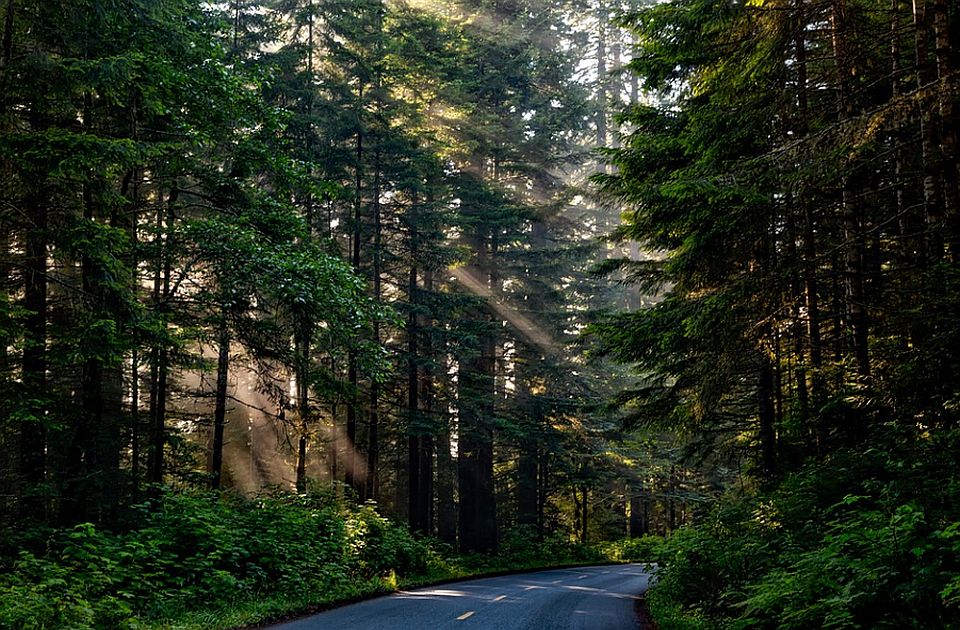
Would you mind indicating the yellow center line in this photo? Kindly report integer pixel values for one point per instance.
(497, 599)
(465, 615)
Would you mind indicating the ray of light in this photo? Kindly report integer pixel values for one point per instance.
(528, 329)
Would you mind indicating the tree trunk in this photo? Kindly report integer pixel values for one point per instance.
(477, 518)
(302, 353)
(638, 511)
(542, 492)
(220, 407)
(527, 483)
(947, 96)
(446, 470)
(851, 213)
(372, 484)
(767, 417)
(932, 190)
(446, 478)
(33, 432)
(426, 483)
(428, 401)
(477, 389)
(160, 360)
(352, 459)
(808, 245)
(134, 232)
(417, 520)
(673, 499)
(6, 52)
(602, 78)
(585, 514)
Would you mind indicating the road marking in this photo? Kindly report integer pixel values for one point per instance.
(465, 615)
(497, 599)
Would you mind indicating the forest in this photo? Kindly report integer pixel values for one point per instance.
(308, 300)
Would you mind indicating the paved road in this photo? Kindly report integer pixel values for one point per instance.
(592, 598)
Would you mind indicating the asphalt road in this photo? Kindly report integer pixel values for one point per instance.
(591, 598)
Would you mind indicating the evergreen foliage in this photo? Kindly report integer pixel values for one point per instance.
(795, 167)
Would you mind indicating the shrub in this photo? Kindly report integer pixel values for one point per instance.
(864, 540)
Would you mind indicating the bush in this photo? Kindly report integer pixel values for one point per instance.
(202, 550)
(647, 549)
(201, 559)
(865, 540)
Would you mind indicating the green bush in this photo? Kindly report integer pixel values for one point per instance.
(200, 559)
(202, 550)
(379, 547)
(866, 540)
(647, 549)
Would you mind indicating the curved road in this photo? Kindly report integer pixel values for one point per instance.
(586, 598)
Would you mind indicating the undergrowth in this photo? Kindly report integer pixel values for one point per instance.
(867, 539)
(204, 560)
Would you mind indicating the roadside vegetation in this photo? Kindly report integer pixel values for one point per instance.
(208, 560)
(869, 539)
(795, 167)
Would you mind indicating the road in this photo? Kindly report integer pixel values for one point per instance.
(591, 598)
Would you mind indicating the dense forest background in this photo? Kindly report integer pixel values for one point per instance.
(520, 274)
(265, 244)
(798, 171)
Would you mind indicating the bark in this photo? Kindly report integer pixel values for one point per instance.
(584, 514)
(6, 51)
(851, 213)
(133, 231)
(160, 359)
(477, 517)
(109, 441)
(95, 447)
(614, 92)
(9, 447)
(634, 79)
(639, 525)
(601, 107)
(135, 423)
(672, 516)
(908, 247)
(528, 466)
(577, 507)
(372, 484)
(808, 240)
(932, 190)
(446, 480)
(33, 433)
(220, 406)
(302, 343)
(426, 483)
(352, 460)
(446, 470)
(427, 401)
(542, 492)
(417, 518)
(767, 418)
(333, 455)
(528, 484)
(477, 390)
(946, 97)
